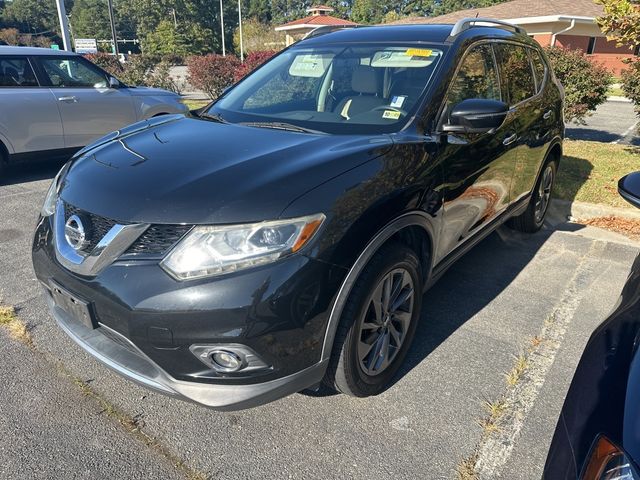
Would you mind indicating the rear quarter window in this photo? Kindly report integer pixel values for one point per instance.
(16, 72)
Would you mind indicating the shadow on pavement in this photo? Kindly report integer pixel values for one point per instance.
(30, 172)
(597, 135)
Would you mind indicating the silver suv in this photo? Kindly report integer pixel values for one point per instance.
(55, 102)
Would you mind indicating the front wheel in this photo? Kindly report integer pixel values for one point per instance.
(378, 323)
(533, 217)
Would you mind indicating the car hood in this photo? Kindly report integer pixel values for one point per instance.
(148, 92)
(182, 169)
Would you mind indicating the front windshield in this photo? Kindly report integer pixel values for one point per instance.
(335, 89)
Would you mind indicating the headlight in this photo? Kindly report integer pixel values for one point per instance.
(607, 462)
(49, 205)
(215, 250)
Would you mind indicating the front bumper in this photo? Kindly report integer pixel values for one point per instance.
(122, 356)
(279, 311)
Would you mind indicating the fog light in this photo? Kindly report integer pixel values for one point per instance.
(226, 361)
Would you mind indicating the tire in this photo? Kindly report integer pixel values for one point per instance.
(533, 217)
(362, 329)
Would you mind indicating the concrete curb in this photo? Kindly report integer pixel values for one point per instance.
(616, 98)
(582, 210)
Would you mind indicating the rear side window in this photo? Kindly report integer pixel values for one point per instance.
(16, 72)
(477, 77)
(516, 74)
(539, 68)
(72, 72)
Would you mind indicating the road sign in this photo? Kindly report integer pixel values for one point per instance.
(55, 46)
(86, 45)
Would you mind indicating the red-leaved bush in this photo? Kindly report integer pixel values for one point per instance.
(107, 62)
(212, 73)
(252, 61)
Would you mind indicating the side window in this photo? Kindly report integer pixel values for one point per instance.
(539, 68)
(72, 72)
(476, 78)
(516, 73)
(16, 72)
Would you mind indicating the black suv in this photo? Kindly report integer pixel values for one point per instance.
(283, 236)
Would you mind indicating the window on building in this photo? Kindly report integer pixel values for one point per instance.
(592, 45)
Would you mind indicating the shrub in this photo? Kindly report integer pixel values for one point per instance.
(143, 70)
(585, 82)
(212, 73)
(107, 62)
(631, 83)
(252, 61)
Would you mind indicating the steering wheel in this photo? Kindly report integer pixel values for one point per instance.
(389, 107)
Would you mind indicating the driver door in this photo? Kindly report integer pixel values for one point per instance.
(88, 107)
(478, 168)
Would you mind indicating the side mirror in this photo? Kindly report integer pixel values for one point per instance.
(114, 82)
(629, 188)
(476, 115)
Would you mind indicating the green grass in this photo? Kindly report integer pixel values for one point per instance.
(193, 104)
(615, 91)
(589, 171)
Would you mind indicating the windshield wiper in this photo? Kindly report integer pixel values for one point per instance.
(282, 126)
(216, 117)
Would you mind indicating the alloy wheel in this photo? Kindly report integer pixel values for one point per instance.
(386, 321)
(544, 193)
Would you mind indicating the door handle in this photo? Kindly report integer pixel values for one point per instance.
(547, 115)
(510, 139)
(69, 99)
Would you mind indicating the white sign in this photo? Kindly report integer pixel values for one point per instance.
(86, 45)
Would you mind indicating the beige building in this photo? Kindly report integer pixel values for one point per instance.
(566, 23)
(318, 17)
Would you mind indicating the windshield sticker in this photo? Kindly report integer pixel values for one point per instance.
(310, 65)
(400, 59)
(419, 52)
(397, 101)
(391, 114)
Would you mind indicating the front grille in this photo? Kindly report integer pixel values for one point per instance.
(96, 227)
(158, 239)
(155, 241)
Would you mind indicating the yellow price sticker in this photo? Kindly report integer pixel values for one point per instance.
(419, 52)
(391, 114)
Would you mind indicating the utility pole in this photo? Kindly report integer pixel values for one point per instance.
(113, 29)
(224, 52)
(240, 27)
(64, 26)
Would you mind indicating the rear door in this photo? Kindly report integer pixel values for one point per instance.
(88, 107)
(519, 88)
(478, 168)
(29, 117)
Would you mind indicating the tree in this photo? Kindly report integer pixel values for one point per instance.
(257, 36)
(31, 16)
(621, 22)
(90, 19)
(165, 40)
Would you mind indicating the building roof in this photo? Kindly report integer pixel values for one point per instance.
(315, 21)
(517, 9)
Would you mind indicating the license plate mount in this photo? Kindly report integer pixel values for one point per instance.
(77, 308)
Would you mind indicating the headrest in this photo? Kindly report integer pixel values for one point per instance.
(364, 80)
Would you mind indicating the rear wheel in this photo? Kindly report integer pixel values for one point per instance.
(533, 217)
(378, 323)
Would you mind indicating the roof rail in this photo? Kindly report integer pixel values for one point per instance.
(466, 23)
(326, 29)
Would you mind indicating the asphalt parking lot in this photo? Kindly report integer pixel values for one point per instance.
(612, 122)
(65, 416)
